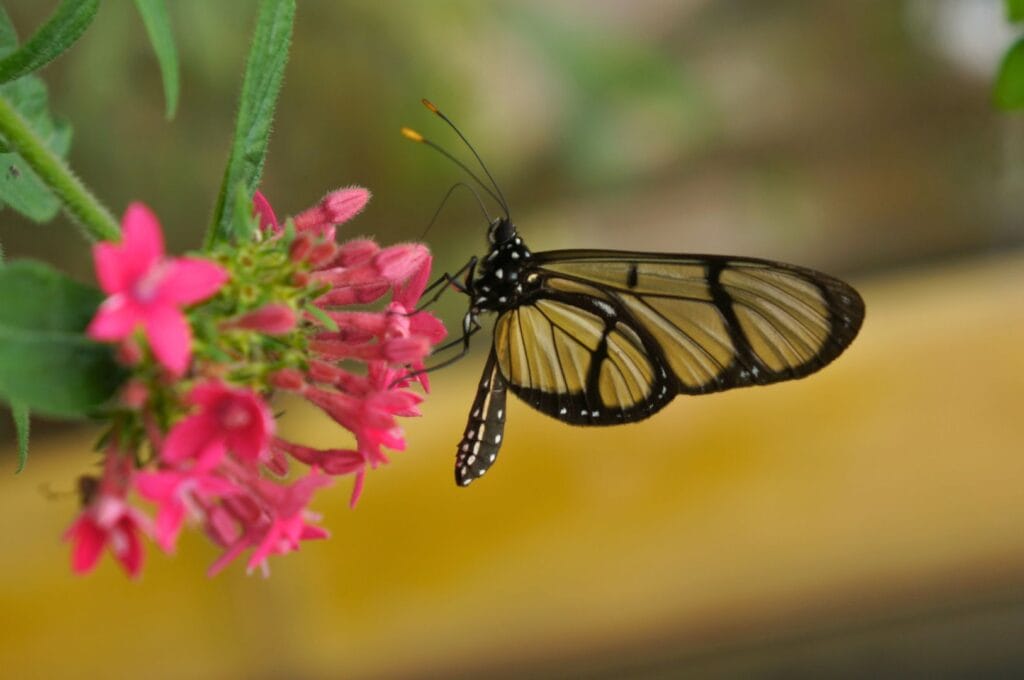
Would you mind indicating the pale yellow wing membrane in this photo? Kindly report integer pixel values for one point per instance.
(716, 322)
(555, 348)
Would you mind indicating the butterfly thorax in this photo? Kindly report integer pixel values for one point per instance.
(500, 281)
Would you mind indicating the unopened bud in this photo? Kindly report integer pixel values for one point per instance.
(288, 379)
(322, 253)
(272, 319)
(300, 248)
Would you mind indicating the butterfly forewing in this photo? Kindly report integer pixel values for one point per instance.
(604, 337)
(486, 427)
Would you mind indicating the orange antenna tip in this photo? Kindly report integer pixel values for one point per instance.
(409, 133)
(430, 106)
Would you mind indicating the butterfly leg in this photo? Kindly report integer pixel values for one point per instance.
(469, 327)
(446, 279)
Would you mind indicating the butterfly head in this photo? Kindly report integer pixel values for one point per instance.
(501, 231)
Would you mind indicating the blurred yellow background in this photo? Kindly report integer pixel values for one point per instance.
(865, 520)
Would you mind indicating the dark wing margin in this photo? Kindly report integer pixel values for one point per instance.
(480, 445)
(609, 337)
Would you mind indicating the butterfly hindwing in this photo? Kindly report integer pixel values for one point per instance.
(479, 446)
(573, 357)
(604, 337)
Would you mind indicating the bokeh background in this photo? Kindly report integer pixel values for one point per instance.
(866, 520)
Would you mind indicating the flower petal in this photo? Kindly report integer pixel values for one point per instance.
(127, 547)
(169, 519)
(143, 242)
(88, 541)
(409, 293)
(170, 337)
(191, 279)
(261, 206)
(112, 271)
(188, 439)
(116, 319)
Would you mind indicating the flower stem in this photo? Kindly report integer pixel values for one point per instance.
(95, 220)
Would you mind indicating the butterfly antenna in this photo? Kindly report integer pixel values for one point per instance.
(448, 195)
(437, 112)
(411, 134)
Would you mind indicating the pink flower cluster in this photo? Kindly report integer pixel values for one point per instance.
(220, 463)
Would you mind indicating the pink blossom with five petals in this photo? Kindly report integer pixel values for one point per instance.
(228, 419)
(146, 289)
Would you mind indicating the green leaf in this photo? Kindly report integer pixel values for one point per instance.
(245, 222)
(20, 414)
(322, 317)
(1009, 88)
(47, 364)
(20, 187)
(8, 36)
(158, 26)
(1015, 10)
(260, 87)
(65, 26)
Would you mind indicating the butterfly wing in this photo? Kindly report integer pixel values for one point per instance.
(486, 427)
(605, 337)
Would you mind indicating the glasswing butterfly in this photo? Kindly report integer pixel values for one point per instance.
(603, 337)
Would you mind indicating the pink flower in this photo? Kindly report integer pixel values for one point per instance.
(228, 419)
(176, 492)
(274, 522)
(147, 290)
(107, 521)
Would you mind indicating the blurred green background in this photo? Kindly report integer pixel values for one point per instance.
(865, 520)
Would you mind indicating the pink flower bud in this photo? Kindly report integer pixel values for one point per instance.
(398, 263)
(134, 395)
(344, 204)
(354, 295)
(406, 350)
(335, 208)
(288, 379)
(356, 251)
(261, 207)
(300, 248)
(272, 319)
(322, 253)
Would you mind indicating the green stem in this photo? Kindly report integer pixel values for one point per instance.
(85, 209)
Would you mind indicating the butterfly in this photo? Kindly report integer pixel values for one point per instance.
(605, 337)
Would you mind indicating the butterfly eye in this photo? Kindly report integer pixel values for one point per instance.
(501, 230)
